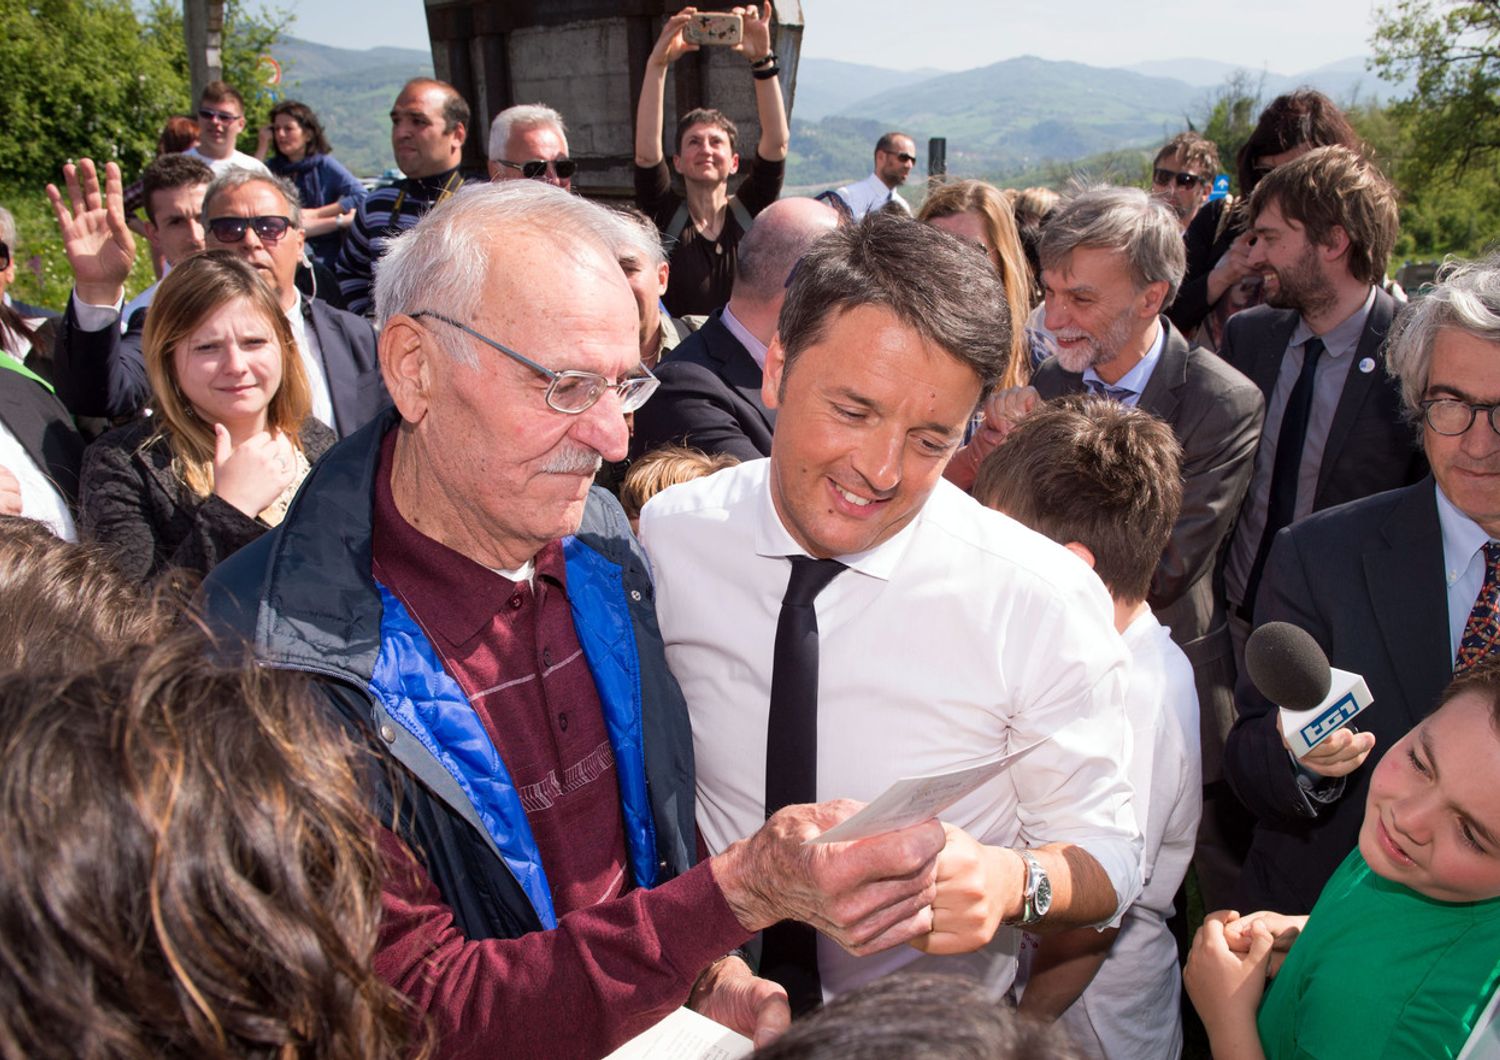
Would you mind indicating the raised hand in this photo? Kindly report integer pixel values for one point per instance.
(755, 41)
(252, 475)
(1002, 411)
(669, 45)
(98, 242)
(867, 895)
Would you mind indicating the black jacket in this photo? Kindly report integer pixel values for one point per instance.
(102, 373)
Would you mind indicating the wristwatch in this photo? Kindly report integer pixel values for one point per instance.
(1036, 897)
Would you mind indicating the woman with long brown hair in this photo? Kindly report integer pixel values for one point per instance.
(977, 212)
(231, 438)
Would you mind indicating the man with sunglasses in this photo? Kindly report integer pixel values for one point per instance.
(102, 373)
(473, 607)
(429, 124)
(1402, 587)
(895, 154)
(1182, 174)
(529, 142)
(221, 119)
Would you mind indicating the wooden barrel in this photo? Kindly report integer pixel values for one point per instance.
(586, 58)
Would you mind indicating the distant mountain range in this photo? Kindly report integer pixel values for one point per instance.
(1005, 118)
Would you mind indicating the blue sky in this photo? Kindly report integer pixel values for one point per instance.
(1284, 36)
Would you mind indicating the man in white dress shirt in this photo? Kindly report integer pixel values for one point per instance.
(895, 154)
(953, 636)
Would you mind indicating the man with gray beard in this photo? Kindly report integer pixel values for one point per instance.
(1112, 258)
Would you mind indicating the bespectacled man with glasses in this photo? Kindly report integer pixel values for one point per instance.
(1402, 587)
(471, 604)
(529, 142)
(1182, 174)
(895, 155)
(221, 119)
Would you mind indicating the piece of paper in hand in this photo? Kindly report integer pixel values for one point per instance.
(685, 1035)
(912, 800)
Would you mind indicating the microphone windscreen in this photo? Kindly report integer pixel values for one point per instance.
(1287, 666)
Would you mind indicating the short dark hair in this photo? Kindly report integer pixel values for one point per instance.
(919, 1017)
(707, 116)
(455, 107)
(302, 114)
(934, 284)
(219, 91)
(170, 172)
(1094, 471)
(887, 142)
(1333, 187)
(1194, 150)
(1301, 117)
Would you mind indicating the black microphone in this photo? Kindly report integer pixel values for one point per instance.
(1290, 670)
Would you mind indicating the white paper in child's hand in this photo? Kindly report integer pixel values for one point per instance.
(912, 800)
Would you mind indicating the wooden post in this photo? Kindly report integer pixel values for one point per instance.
(203, 27)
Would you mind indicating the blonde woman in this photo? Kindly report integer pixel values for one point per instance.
(231, 438)
(977, 212)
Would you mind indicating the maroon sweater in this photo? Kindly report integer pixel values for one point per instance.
(620, 958)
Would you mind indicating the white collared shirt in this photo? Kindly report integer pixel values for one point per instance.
(40, 499)
(312, 364)
(870, 194)
(753, 346)
(963, 636)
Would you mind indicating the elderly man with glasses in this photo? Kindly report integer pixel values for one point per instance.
(1402, 587)
(479, 614)
(221, 119)
(101, 373)
(529, 142)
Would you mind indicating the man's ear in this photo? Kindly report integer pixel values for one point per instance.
(770, 383)
(406, 366)
(461, 131)
(1153, 299)
(1337, 245)
(1082, 551)
(663, 273)
(734, 163)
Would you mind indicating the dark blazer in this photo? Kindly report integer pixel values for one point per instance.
(102, 373)
(709, 399)
(1371, 447)
(45, 430)
(136, 505)
(1366, 580)
(1216, 414)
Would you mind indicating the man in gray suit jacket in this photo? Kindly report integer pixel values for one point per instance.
(1111, 258)
(1401, 588)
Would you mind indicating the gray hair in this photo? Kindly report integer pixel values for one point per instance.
(442, 263)
(1466, 298)
(7, 229)
(934, 284)
(525, 116)
(634, 239)
(1123, 219)
(236, 177)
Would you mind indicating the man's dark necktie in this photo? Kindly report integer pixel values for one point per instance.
(789, 952)
(1281, 506)
(1482, 630)
(1099, 388)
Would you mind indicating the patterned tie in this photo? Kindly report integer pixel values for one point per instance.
(789, 952)
(1099, 388)
(1482, 631)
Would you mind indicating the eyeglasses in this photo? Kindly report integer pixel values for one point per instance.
(232, 229)
(209, 114)
(4, 256)
(569, 392)
(1163, 177)
(902, 156)
(1451, 417)
(536, 169)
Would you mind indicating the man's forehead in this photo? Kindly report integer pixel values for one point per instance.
(536, 138)
(1087, 269)
(418, 101)
(183, 199)
(248, 199)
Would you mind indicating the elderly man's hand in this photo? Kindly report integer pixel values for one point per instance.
(977, 885)
(10, 492)
(1002, 411)
(731, 994)
(97, 240)
(867, 895)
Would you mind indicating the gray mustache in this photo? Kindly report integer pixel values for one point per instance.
(574, 460)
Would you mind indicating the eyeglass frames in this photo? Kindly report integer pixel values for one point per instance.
(1451, 417)
(1163, 177)
(536, 168)
(232, 229)
(569, 392)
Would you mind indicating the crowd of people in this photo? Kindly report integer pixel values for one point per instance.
(443, 620)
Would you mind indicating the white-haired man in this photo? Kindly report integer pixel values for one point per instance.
(530, 142)
(484, 617)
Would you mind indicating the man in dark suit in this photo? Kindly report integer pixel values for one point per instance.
(1324, 226)
(1402, 588)
(40, 451)
(710, 384)
(98, 372)
(1111, 258)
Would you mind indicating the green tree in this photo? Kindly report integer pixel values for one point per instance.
(1233, 110)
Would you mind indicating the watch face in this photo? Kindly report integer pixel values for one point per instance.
(1043, 900)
